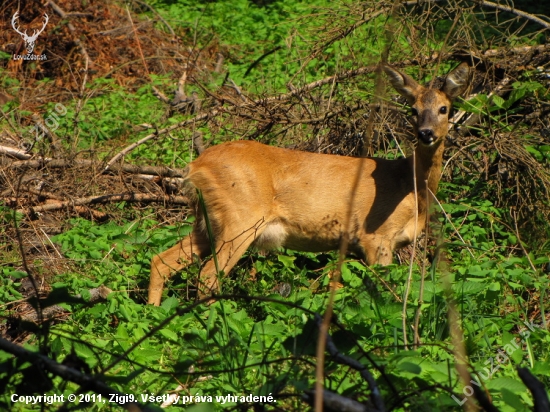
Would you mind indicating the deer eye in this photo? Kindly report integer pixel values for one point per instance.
(414, 112)
(443, 110)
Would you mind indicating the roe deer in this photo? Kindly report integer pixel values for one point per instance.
(270, 197)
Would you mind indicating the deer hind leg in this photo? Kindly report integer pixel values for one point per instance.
(228, 253)
(174, 259)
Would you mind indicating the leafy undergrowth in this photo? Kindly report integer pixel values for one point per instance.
(265, 344)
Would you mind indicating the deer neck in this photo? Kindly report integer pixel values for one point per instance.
(428, 164)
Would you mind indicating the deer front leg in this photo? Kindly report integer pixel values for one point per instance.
(378, 250)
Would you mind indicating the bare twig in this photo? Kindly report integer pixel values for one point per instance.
(448, 218)
(219, 62)
(39, 124)
(515, 217)
(180, 95)
(42, 337)
(160, 95)
(238, 90)
(457, 338)
(137, 41)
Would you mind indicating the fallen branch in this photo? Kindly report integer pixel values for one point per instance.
(155, 135)
(26, 162)
(15, 153)
(376, 395)
(515, 11)
(48, 313)
(86, 212)
(96, 295)
(514, 50)
(334, 402)
(542, 404)
(160, 95)
(86, 382)
(490, 4)
(126, 197)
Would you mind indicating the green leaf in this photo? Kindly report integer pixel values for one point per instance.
(83, 351)
(541, 368)
(498, 101)
(410, 367)
(147, 354)
(510, 384)
(494, 286)
(469, 288)
(167, 333)
(124, 312)
(16, 274)
(287, 261)
(169, 303)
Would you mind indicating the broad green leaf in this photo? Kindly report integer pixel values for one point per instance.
(167, 333)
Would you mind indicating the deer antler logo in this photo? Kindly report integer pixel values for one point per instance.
(29, 40)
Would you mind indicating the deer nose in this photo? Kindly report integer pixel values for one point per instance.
(426, 136)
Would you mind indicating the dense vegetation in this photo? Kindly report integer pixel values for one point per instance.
(475, 287)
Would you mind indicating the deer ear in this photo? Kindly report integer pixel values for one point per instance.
(456, 81)
(405, 85)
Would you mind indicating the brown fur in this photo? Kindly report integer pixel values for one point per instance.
(268, 197)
